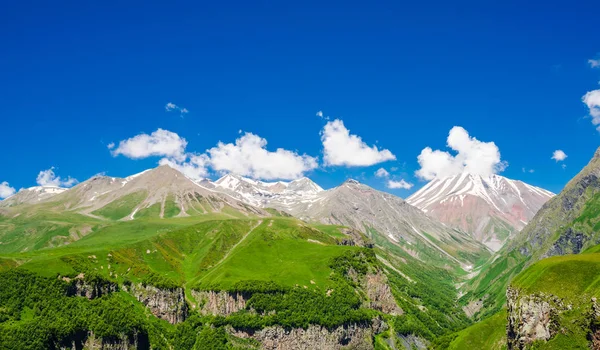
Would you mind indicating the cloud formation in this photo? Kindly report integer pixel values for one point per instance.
(592, 101)
(161, 143)
(381, 172)
(193, 166)
(472, 156)
(399, 184)
(342, 148)
(250, 157)
(5, 190)
(49, 178)
(559, 155)
(594, 63)
(170, 107)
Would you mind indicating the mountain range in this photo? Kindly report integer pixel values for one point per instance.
(466, 262)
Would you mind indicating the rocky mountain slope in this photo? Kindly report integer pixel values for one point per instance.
(280, 195)
(567, 224)
(31, 195)
(386, 216)
(160, 192)
(492, 209)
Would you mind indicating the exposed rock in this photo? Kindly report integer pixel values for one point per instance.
(531, 317)
(380, 294)
(90, 289)
(570, 242)
(88, 341)
(353, 336)
(219, 303)
(473, 307)
(413, 342)
(594, 333)
(167, 304)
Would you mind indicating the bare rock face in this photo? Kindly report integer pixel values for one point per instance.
(219, 303)
(91, 289)
(380, 294)
(88, 340)
(353, 336)
(167, 304)
(531, 317)
(594, 333)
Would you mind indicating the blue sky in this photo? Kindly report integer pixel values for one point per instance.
(76, 76)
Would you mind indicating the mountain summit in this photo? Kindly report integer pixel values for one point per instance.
(280, 194)
(491, 209)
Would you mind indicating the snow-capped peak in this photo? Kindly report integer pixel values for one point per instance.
(264, 194)
(470, 201)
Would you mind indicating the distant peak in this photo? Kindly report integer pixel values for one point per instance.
(352, 182)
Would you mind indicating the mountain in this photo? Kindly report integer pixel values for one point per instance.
(390, 219)
(160, 192)
(280, 194)
(31, 195)
(221, 278)
(567, 224)
(492, 209)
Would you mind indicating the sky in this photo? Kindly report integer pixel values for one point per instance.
(327, 90)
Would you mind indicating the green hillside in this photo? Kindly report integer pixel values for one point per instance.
(298, 272)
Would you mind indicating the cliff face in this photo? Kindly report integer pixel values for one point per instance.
(380, 294)
(219, 303)
(531, 317)
(167, 304)
(91, 290)
(353, 336)
(88, 340)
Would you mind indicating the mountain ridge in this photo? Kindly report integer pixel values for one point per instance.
(492, 209)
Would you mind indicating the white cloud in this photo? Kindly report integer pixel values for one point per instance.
(161, 143)
(381, 172)
(559, 155)
(594, 63)
(5, 190)
(194, 166)
(342, 148)
(320, 114)
(472, 156)
(49, 178)
(592, 100)
(249, 157)
(399, 184)
(169, 107)
(525, 170)
(111, 145)
(564, 166)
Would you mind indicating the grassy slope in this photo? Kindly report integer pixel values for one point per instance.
(121, 207)
(497, 274)
(489, 334)
(216, 251)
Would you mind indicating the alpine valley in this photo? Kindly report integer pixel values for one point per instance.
(157, 260)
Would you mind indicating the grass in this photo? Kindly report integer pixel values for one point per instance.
(121, 207)
(489, 334)
(571, 277)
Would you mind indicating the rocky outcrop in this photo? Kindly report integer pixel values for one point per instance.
(167, 304)
(473, 307)
(88, 340)
(219, 303)
(91, 289)
(352, 336)
(531, 317)
(412, 341)
(594, 326)
(380, 294)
